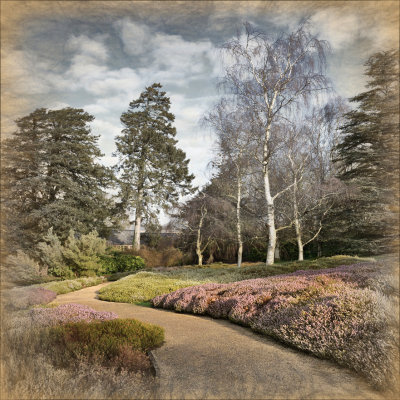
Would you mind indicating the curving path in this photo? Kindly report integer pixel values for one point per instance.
(203, 358)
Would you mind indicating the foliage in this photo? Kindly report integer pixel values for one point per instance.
(145, 285)
(368, 160)
(25, 297)
(120, 262)
(168, 256)
(141, 287)
(52, 177)
(20, 269)
(106, 342)
(34, 367)
(50, 253)
(153, 171)
(67, 313)
(82, 254)
(332, 314)
(79, 256)
(70, 285)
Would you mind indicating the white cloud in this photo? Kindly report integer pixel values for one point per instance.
(93, 49)
(135, 36)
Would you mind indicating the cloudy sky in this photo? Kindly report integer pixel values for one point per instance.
(100, 55)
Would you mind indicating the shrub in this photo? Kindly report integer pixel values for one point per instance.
(61, 287)
(120, 262)
(20, 269)
(167, 257)
(67, 313)
(82, 254)
(332, 313)
(77, 257)
(115, 342)
(141, 287)
(145, 285)
(171, 257)
(50, 253)
(22, 298)
(33, 368)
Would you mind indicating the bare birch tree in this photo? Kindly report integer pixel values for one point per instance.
(307, 157)
(273, 75)
(233, 138)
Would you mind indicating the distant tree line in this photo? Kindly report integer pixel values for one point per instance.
(297, 172)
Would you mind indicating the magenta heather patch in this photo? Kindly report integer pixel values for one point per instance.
(68, 313)
(332, 313)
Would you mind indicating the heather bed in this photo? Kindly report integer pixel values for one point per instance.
(145, 285)
(345, 314)
(72, 350)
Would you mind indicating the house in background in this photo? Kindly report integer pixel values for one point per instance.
(123, 240)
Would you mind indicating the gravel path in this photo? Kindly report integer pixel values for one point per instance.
(203, 358)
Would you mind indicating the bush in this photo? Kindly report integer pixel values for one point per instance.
(116, 342)
(22, 298)
(145, 285)
(141, 287)
(77, 257)
(120, 262)
(50, 253)
(61, 287)
(333, 313)
(167, 257)
(67, 313)
(33, 368)
(20, 269)
(83, 255)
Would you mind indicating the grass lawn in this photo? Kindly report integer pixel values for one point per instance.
(143, 286)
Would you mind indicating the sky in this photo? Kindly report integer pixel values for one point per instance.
(99, 56)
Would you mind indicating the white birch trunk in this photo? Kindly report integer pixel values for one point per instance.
(267, 189)
(297, 224)
(199, 251)
(238, 222)
(270, 220)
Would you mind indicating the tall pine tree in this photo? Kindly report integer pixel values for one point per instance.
(368, 158)
(153, 171)
(51, 177)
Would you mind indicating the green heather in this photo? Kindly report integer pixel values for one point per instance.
(70, 285)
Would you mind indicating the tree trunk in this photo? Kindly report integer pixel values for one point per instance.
(238, 222)
(138, 220)
(270, 220)
(297, 224)
(277, 250)
(319, 249)
(199, 257)
(268, 197)
(136, 238)
(199, 251)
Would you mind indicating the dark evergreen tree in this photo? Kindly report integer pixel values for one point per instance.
(51, 177)
(368, 159)
(153, 171)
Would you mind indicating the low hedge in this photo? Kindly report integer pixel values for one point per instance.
(117, 261)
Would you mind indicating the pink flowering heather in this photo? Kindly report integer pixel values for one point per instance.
(67, 313)
(25, 297)
(331, 313)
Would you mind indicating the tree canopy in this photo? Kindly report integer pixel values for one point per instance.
(51, 177)
(153, 172)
